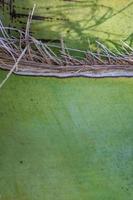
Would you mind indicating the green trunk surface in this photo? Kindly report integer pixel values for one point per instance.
(68, 139)
(78, 22)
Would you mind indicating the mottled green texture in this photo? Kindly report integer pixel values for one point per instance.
(82, 20)
(66, 139)
(78, 22)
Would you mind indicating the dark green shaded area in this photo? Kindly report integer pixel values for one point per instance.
(66, 139)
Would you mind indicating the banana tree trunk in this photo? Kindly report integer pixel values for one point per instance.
(78, 22)
(67, 139)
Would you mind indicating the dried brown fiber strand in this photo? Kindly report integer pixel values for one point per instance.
(25, 55)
